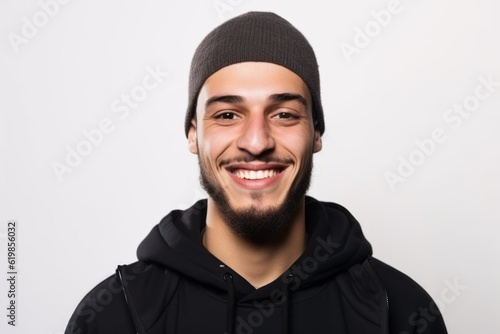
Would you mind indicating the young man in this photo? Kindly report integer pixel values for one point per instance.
(258, 256)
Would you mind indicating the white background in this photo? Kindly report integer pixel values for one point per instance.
(440, 224)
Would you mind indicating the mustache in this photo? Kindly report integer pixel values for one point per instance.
(264, 157)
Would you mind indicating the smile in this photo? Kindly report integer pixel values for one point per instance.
(255, 174)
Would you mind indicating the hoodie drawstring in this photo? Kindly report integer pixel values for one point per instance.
(286, 304)
(231, 305)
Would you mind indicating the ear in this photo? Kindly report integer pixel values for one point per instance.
(317, 144)
(192, 142)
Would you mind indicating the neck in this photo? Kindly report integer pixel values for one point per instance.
(258, 264)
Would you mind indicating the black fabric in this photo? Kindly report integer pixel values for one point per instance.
(336, 286)
(231, 303)
(255, 36)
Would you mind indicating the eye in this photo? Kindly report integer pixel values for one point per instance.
(285, 115)
(226, 115)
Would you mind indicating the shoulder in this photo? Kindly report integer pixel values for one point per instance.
(102, 310)
(105, 308)
(411, 308)
(399, 283)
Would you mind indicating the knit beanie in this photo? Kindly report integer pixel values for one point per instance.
(260, 37)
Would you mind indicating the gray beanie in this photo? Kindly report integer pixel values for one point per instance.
(255, 36)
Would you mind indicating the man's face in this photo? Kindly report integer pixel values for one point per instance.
(254, 137)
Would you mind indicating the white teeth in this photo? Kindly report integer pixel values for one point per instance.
(255, 175)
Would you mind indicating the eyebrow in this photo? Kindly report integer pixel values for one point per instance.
(224, 99)
(284, 97)
(275, 98)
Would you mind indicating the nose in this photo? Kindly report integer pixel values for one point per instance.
(256, 137)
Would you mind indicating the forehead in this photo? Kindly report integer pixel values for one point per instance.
(253, 80)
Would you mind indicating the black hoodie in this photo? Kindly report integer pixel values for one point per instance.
(177, 286)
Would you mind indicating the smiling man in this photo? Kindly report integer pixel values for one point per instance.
(255, 139)
(258, 255)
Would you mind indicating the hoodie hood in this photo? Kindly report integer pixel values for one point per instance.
(332, 284)
(335, 242)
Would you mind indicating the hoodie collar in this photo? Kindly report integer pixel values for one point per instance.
(335, 243)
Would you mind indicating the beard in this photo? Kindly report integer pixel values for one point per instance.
(256, 225)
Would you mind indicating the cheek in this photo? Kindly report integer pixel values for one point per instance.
(212, 147)
(299, 143)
